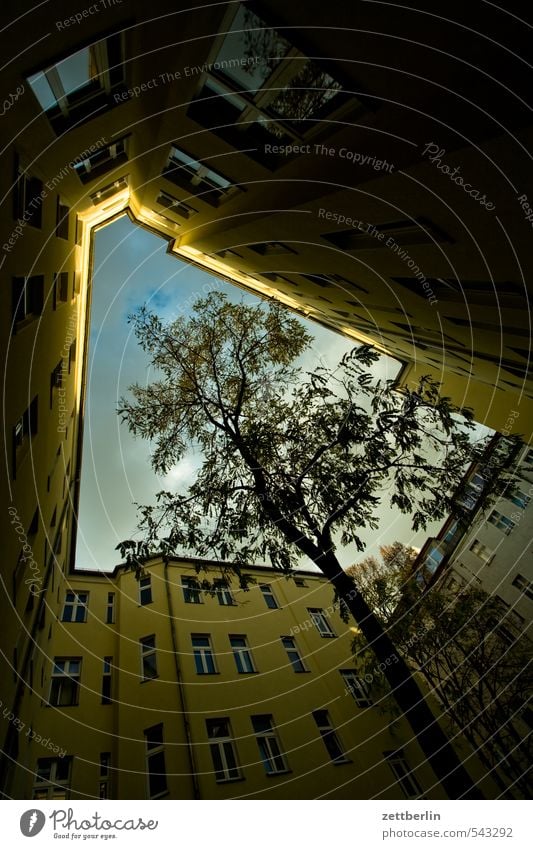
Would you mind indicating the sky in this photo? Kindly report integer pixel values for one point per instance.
(131, 268)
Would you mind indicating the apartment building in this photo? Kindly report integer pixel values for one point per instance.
(490, 550)
(163, 688)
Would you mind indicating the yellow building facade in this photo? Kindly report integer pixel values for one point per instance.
(159, 688)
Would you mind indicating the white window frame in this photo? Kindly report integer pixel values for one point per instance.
(105, 776)
(76, 604)
(224, 743)
(63, 100)
(242, 654)
(47, 788)
(107, 679)
(270, 748)
(267, 592)
(198, 173)
(192, 592)
(327, 733)
(356, 687)
(521, 583)
(257, 105)
(224, 594)
(520, 498)
(502, 522)
(403, 774)
(151, 751)
(145, 589)
(320, 621)
(293, 653)
(110, 609)
(203, 654)
(148, 651)
(481, 550)
(63, 664)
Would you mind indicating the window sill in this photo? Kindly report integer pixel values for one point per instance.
(25, 322)
(341, 763)
(147, 680)
(279, 772)
(230, 780)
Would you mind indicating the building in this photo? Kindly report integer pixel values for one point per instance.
(334, 200)
(490, 550)
(161, 688)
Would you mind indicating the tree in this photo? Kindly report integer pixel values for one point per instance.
(382, 581)
(471, 652)
(297, 469)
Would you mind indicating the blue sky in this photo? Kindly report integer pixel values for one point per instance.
(131, 267)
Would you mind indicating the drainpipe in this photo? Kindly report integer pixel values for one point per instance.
(181, 690)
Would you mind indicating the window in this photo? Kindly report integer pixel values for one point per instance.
(242, 654)
(174, 205)
(330, 737)
(27, 297)
(403, 774)
(106, 681)
(222, 748)
(27, 197)
(524, 586)
(356, 687)
(404, 232)
(78, 232)
(274, 95)
(105, 765)
(319, 619)
(75, 88)
(71, 355)
(110, 609)
(75, 607)
(271, 249)
(520, 498)
(148, 658)
(52, 778)
(65, 682)
(197, 177)
(108, 191)
(155, 762)
(60, 288)
(56, 381)
(204, 659)
(191, 590)
(224, 595)
(101, 161)
(503, 523)
(24, 430)
(62, 219)
(269, 745)
(482, 551)
(268, 595)
(465, 291)
(293, 654)
(299, 582)
(145, 590)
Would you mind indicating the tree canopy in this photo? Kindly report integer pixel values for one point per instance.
(291, 461)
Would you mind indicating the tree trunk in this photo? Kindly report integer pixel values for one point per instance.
(438, 750)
